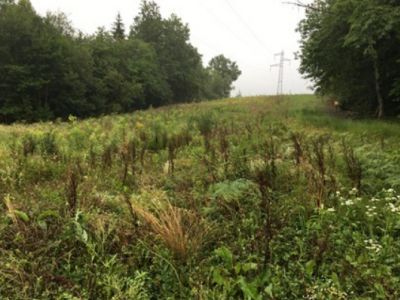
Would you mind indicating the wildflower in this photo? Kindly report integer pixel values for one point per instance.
(331, 209)
(337, 193)
(373, 245)
(349, 202)
(393, 208)
(354, 191)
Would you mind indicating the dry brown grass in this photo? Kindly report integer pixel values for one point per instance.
(182, 231)
(11, 210)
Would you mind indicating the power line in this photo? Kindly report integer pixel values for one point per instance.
(219, 52)
(247, 26)
(234, 33)
(225, 25)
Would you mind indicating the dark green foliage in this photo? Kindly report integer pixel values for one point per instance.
(223, 72)
(350, 50)
(48, 70)
(43, 70)
(126, 74)
(179, 60)
(118, 30)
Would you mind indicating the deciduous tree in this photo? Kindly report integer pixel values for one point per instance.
(223, 72)
(350, 50)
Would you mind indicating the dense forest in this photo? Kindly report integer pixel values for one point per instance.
(49, 69)
(351, 50)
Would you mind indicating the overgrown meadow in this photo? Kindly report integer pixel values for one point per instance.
(252, 198)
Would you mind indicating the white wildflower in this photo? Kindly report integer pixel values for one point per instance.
(393, 208)
(354, 191)
(373, 245)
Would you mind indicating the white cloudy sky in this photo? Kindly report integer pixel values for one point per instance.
(249, 32)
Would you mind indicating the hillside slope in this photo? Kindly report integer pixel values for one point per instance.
(249, 198)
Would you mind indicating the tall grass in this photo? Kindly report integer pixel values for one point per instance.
(182, 231)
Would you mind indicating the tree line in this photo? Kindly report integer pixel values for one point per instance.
(351, 51)
(49, 70)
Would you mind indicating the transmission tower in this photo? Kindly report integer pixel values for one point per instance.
(280, 65)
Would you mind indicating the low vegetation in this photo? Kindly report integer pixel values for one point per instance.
(250, 198)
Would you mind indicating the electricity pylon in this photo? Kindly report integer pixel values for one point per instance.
(280, 65)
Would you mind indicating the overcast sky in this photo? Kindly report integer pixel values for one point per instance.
(248, 32)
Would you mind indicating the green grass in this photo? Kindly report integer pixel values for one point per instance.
(307, 109)
(250, 198)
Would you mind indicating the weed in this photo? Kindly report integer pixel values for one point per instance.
(354, 165)
(48, 144)
(29, 144)
(182, 231)
(73, 180)
(297, 139)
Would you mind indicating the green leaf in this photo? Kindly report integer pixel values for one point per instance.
(268, 290)
(226, 255)
(248, 289)
(380, 290)
(42, 225)
(21, 215)
(335, 279)
(238, 267)
(217, 277)
(249, 266)
(47, 214)
(81, 233)
(310, 267)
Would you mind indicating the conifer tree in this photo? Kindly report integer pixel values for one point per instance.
(118, 30)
